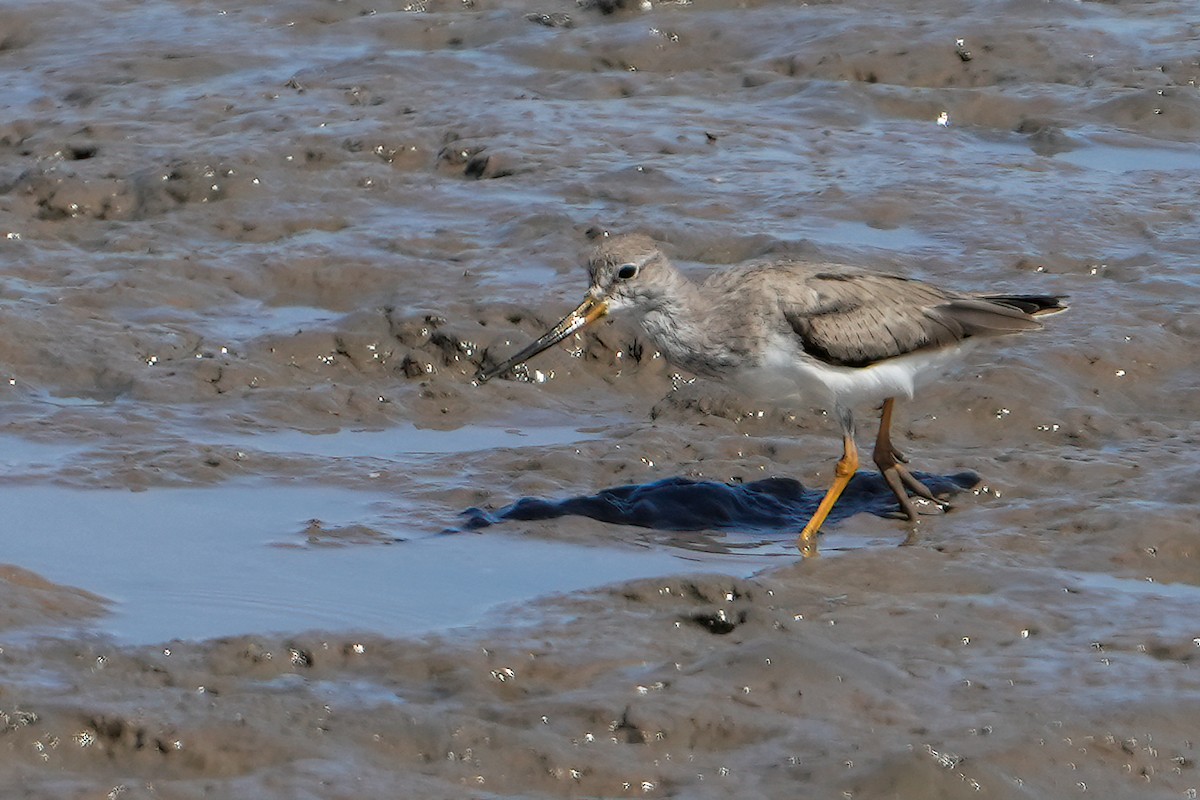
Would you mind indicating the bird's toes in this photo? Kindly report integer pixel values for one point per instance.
(930, 507)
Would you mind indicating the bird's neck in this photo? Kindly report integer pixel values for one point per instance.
(682, 326)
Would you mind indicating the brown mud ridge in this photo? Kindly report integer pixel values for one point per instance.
(267, 246)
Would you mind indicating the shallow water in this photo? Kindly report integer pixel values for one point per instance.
(203, 563)
(251, 257)
(403, 440)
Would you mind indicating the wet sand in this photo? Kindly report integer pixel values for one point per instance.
(252, 257)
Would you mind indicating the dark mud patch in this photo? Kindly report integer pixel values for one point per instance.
(771, 505)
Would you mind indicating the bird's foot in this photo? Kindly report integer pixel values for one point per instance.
(902, 483)
(913, 485)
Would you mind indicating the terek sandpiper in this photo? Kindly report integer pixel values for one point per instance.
(781, 330)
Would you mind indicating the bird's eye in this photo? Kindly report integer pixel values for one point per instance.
(627, 271)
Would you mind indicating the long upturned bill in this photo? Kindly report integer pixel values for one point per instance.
(590, 310)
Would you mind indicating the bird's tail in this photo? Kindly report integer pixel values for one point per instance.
(1032, 304)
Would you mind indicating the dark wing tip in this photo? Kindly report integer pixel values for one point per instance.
(1031, 304)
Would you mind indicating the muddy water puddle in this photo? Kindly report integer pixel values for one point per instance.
(205, 563)
(252, 556)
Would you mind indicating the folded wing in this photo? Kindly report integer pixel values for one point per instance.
(855, 320)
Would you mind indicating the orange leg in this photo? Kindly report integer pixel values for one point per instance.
(842, 475)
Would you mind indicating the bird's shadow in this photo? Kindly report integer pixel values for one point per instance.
(771, 505)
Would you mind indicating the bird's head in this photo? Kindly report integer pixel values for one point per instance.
(627, 272)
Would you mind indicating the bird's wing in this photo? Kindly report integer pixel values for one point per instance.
(857, 319)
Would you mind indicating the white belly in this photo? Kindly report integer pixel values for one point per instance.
(787, 375)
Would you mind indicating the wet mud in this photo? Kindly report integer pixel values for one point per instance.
(252, 256)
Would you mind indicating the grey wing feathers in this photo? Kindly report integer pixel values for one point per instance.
(855, 320)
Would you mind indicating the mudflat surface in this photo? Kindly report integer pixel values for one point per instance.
(251, 256)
